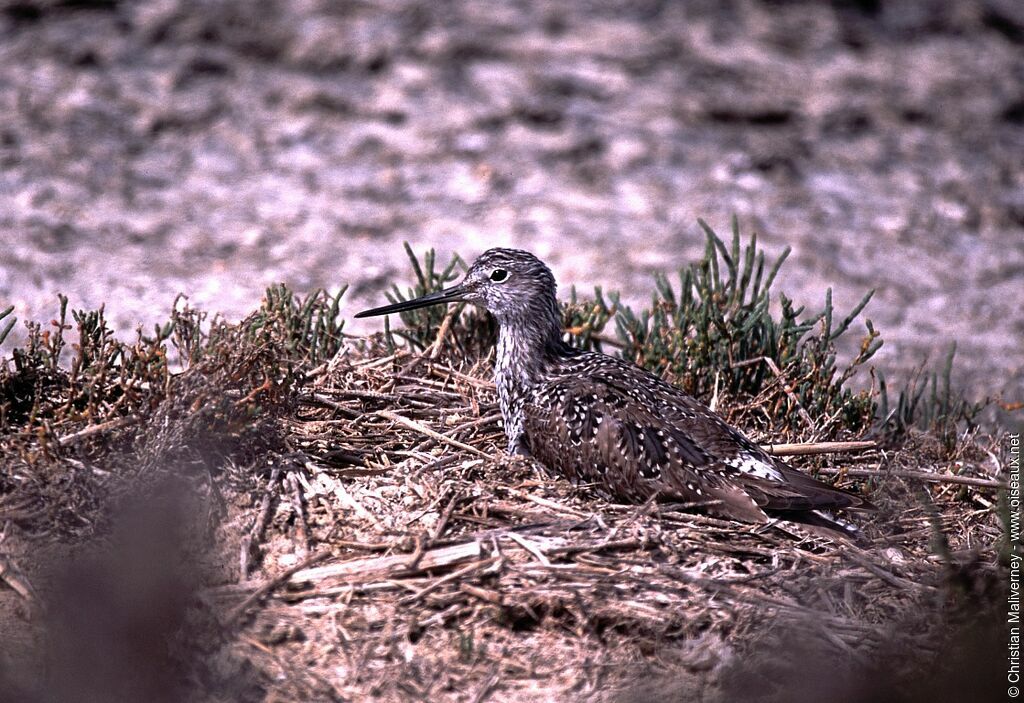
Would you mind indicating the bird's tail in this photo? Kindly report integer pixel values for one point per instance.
(825, 523)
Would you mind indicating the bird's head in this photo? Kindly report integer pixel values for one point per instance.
(510, 283)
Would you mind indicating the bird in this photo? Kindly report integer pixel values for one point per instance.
(610, 424)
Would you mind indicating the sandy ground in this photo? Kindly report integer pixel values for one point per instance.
(216, 147)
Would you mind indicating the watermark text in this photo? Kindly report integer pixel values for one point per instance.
(1016, 557)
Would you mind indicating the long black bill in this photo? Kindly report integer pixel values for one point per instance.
(448, 295)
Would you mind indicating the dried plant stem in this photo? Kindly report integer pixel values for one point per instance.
(804, 415)
(453, 576)
(255, 534)
(424, 430)
(383, 361)
(360, 569)
(447, 373)
(115, 424)
(235, 614)
(11, 575)
(812, 448)
(442, 332)
(919, 475)
(299, 510)
(488, 685)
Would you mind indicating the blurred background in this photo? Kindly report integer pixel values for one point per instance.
(214, 147)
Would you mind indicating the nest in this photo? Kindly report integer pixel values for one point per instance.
(365, 534)
(445, 565)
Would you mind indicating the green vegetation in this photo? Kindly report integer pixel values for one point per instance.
(195, 391)
(719, 334)
(721, 330)
(106, 378)
(928, 402)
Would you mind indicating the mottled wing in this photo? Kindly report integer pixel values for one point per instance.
(633, 436)
(591, 432)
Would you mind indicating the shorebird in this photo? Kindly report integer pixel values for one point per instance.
(606, 422)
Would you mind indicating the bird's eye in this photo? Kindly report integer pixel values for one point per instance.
(499, 275)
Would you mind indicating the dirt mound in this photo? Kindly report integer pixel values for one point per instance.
(371, 539)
